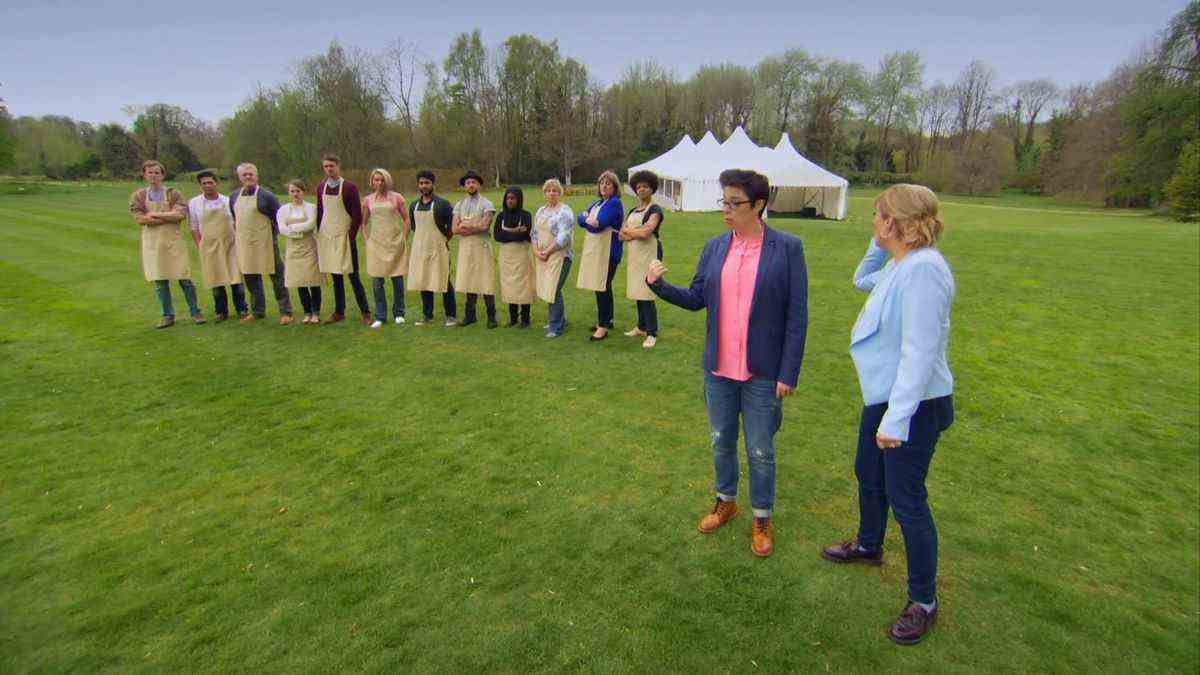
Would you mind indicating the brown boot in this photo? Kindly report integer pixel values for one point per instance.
(335, 317)
(366, 319)
(913, 624)
(722, 513)
(249, 318)
(198, 318)
(165, 322)
(285, 320)
(762, 537)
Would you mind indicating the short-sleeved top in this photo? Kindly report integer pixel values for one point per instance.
(649, 211)
(471, 207)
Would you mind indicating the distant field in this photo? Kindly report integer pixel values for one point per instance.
(228, 497)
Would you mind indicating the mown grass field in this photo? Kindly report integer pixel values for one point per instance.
(229, 497)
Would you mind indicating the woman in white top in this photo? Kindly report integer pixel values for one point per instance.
(552, 239)
(297, 220)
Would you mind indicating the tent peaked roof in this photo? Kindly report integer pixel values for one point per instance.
(667, 161)
(785, 144)
(708, 141)
(738, 139)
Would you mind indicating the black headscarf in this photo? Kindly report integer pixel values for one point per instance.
(514, 217)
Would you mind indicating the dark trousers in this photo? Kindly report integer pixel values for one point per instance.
(310, 299)
(258, 296)
(221, 300)
(604, 299)
(489, 305)
(896, 479)
(518, 313)
(339, 286)
(647, 313)
(449, 304)
(380, 295)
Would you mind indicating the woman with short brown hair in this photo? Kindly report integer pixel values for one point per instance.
(601, 249)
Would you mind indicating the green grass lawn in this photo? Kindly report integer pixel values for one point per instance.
(229, 497)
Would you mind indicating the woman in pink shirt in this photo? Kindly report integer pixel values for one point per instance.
(750, 277)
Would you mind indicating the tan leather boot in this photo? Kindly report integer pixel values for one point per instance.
(722, 513)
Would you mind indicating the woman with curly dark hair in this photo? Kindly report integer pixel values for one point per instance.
(641, 232)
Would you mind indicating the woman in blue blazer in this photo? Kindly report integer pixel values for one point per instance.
(899, 349)
(601, 249)
(754, 283)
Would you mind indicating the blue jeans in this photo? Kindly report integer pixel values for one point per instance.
(762, 414)
(380, 295)
(558, 313)
(162, 287)
(896, 478)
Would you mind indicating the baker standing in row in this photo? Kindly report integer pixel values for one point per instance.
(429, 261)
(159, 210)
(211, 223)
(254, 208)
(339, 215)
(476, 274)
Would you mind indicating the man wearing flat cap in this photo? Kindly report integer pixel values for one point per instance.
(476, 274)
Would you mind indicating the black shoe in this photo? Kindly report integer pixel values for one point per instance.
(849, 552)
(492, 323)
(524, 324)
(511, 323)
(593, 338)
(467, 322)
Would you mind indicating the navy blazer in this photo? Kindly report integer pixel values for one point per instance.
(778, 311)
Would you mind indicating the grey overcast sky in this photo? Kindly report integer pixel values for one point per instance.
(88, 59)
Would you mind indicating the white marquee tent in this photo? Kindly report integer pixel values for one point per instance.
(688, 175)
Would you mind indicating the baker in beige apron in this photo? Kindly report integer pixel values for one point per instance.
(429, 259)
(333, 235)
(164, 254)
(387, 250)
(638, 255)
(255, 234)
(546, 272)
(218, 255)
(516, 273)
(593, 262)
(300, 263)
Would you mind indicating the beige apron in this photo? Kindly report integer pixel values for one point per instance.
(333, 234)
(300, 268)
(429, 262)
(593, 262)
(516, 273)
(546, 272)
(638, 255)
(387, 255)
(164, 255)
(255, 248)
(476, 271)
(218, 255)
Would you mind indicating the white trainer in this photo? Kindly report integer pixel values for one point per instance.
(450, 323)
(377, 324)
(649, 342)
(399, 321)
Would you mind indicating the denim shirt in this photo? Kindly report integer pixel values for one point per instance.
(900, 338)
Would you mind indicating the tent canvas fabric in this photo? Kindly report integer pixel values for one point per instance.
(688, 175)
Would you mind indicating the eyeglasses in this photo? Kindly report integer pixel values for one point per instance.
(731, 204)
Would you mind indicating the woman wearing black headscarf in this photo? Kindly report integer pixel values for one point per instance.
(511, 230)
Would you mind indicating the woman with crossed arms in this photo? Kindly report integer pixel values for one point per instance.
(601, 249)
(297, 221)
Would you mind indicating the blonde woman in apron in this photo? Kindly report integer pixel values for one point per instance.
(552, 241)
(429, 261)
(643, 245)
(387, 228)
(511, 232)
(476, 274)
(159, 210)
(602, 250)
(212, 229)
(297, 223)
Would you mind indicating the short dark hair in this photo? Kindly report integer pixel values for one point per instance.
(205, 174)
(426, 173)
(644, 176)
(330, 157)
(754, 184)
(298, 184)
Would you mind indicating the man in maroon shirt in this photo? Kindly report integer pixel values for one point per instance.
(333, 186)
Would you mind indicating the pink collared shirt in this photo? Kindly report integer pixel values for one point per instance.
(738, 275)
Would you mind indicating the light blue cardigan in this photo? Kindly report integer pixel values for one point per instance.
(900, 338)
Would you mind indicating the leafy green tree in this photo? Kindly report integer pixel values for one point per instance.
(1183, 190)
(118, 152)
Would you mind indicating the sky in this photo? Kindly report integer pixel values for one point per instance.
(89, 60)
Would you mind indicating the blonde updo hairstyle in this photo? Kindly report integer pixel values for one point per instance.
(914, 210)
(387, 179)
(552, 182)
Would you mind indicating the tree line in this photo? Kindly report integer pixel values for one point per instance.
(521, 111)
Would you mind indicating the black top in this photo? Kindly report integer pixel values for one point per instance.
(653, 209)
(443, 213)
(520, 218)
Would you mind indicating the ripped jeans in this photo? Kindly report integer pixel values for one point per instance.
(761, 414)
